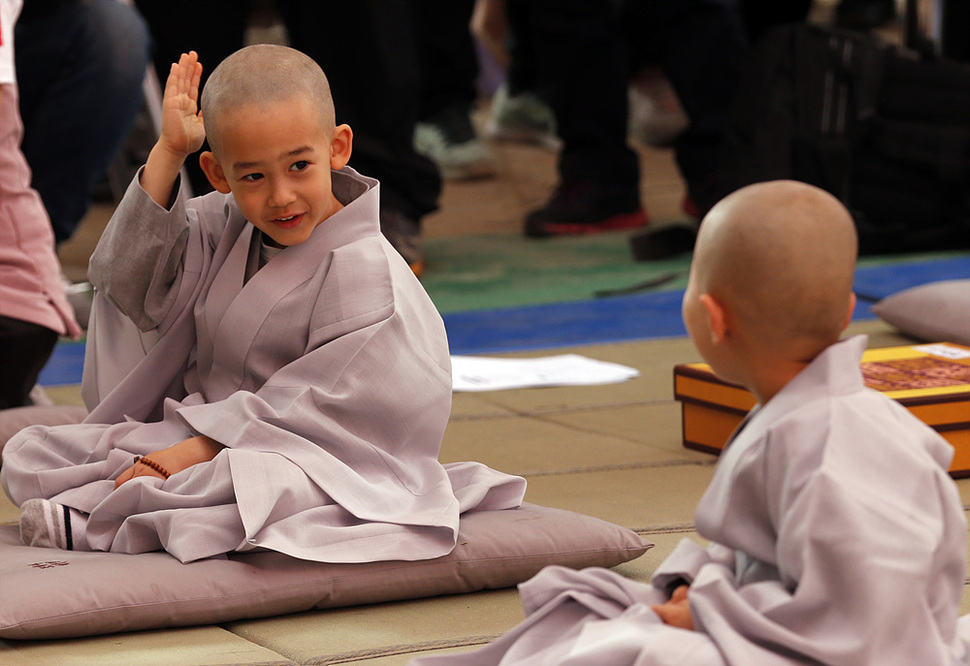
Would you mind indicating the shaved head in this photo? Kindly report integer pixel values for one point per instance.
(781, 256)
(263, 74)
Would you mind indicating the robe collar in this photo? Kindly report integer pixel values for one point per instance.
(235, 307)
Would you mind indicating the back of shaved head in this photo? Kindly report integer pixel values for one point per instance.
(263, 74)
(781, 255)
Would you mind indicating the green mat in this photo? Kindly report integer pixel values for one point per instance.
(507, 270)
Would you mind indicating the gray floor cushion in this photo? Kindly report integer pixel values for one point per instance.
(934, 312)
(48, 593)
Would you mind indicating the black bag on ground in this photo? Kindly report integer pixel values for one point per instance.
(884, 130)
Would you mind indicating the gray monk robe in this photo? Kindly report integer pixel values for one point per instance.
(325, 373)
(836, 536)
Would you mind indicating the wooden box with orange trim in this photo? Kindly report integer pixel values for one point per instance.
(932, 381)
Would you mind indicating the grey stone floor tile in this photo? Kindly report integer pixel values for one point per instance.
(532, 446)
(469, 406)
(640, 498)
(198, 646)
(353, 634)
(405, 658)
(654, 425)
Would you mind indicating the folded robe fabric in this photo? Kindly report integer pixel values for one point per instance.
(325, 373)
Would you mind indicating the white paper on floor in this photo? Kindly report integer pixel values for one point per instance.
(481, 373)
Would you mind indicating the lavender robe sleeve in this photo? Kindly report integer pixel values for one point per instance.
(149, 270)
(139, 260)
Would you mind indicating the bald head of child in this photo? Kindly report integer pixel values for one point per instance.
(771, 282)
(259, 75)
(269, 118)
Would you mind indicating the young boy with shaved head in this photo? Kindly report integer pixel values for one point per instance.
(263, 369)
(835, 534)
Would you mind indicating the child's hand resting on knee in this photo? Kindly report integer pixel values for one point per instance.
(172, 460)
(676, 612)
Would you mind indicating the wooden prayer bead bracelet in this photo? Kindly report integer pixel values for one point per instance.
(154, 465)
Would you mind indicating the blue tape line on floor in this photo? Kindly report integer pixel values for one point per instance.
(887, 279)
(64, 366)
(600, 321)
(618, 319)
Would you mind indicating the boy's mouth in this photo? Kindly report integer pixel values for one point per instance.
(289, 221)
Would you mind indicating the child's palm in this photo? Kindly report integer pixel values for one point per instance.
(182, 128)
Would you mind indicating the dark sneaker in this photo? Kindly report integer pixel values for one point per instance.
(669, 240)
(404, 235)
(449, 140)
(663, 242)
(690, 208)
(584, 208)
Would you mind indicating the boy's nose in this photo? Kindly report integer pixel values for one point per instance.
(281, 195)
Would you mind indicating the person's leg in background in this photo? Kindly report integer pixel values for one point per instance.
(759, 16)
(581, 68)
(367, 50)
(33, 306)
(215, 29)
(517, 112)
(25, 348)
(448, 66)
(701, 47)
(80, 67)
(864, 14)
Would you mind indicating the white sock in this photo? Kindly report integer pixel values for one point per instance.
(47, 524)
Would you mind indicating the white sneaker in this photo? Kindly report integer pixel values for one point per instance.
(524, 118)
(449, 140)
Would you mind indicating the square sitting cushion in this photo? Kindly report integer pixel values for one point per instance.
(934, 312)
(110, 592)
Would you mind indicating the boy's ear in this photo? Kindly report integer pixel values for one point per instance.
(341, 146)
(717, 318)
(848, 315)
(213, 171)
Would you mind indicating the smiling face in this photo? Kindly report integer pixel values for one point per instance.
(275, 159)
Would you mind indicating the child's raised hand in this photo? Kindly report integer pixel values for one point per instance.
(182, 128)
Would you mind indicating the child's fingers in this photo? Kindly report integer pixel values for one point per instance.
(185, 73)
(125, 476)
(194, 80)
(186, 65)
(171, 84)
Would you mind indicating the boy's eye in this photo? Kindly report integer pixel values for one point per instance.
(300, 166)
(252, 177)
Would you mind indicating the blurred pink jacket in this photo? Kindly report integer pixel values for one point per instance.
(30, 283)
